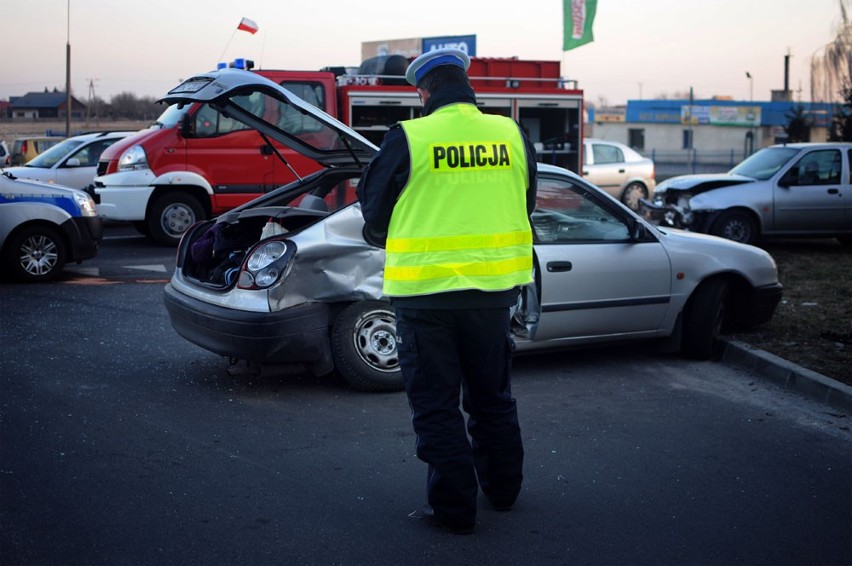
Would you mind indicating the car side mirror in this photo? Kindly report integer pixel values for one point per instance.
(789, 178)
(636, 230)
(73, 162)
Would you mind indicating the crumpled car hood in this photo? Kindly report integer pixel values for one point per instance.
(697, 184)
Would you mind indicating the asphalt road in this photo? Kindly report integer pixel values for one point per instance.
(121, 443)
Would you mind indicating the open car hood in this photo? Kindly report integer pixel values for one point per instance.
(276, 113)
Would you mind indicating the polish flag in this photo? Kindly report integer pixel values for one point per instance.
(248, 25)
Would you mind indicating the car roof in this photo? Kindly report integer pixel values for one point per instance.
(100, 135)
(548, 168)
(813, 145)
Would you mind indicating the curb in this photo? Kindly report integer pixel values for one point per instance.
(789, 375)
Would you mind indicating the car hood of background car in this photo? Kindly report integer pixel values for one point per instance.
(255, 100)
(696, 184)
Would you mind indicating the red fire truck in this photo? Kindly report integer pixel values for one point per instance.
(194, 163)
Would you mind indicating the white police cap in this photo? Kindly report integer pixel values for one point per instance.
(435, 58)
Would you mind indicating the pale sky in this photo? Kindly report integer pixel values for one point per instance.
(642, 48)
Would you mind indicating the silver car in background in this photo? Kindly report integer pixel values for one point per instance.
(619, 170)
(799, 189)
(289, 278)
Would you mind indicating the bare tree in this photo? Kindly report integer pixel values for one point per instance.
(832, 69)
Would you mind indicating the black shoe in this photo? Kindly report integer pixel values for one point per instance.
(428, 514)
(501, 505)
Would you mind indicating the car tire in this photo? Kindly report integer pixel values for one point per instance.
(632, 193)
(735, 225)
(363, 342)
(703, 321)
(36, 253)
(170, 217)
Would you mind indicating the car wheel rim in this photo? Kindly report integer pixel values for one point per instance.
(39, 255)
(176, 219)
(737, 231)
(375, 340)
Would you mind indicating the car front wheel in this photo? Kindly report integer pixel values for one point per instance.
(704, 318)
(36, 253)
(735, 225)
(363, 341)
(171, 215)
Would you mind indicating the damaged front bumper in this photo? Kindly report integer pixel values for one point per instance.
(676, 215)
(664, 214)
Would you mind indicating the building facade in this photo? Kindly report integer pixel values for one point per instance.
(702, 136)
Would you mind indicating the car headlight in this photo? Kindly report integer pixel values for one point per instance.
(133, 159)
(86, 204)
(267, 264)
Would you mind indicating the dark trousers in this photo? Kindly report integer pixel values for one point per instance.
(445, 352)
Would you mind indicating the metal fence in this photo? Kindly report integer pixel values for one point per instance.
(668, 163)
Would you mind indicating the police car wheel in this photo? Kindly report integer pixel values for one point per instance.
(36, 253)
(363, 343)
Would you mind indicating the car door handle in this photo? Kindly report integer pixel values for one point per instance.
(266, 149)
(834, 191)
(557, 266)
(621, 170)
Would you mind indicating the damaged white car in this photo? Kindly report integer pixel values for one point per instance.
(288, 279)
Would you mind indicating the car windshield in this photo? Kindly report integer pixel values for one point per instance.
(171, 116)
(55, 154)
(765, 163)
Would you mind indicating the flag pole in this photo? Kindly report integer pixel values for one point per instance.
(226, 47)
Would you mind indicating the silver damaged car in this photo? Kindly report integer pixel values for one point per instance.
(799, 189)
(288, 279)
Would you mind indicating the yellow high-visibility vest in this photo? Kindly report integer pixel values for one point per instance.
(461, 221)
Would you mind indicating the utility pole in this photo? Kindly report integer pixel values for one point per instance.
(91, 103)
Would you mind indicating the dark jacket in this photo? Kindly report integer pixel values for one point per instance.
(383, 182)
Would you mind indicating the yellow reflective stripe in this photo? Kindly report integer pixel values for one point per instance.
(442, 243)
(467, 269)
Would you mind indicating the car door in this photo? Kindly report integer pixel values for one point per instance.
(595, 279)
(605, 167)
(815, 194)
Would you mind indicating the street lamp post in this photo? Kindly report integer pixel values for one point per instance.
(750, 145)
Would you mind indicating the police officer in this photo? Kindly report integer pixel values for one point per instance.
(449, 195)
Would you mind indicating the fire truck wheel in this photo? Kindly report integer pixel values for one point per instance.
(363, 343)
(171, 215)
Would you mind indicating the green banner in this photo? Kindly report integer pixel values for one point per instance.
(578, 17)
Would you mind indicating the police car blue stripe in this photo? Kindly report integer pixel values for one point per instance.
(67, 204)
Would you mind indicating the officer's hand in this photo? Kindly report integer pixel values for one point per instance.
(375, 237)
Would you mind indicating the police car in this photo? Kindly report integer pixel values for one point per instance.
(291, 279)
(43, 227)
